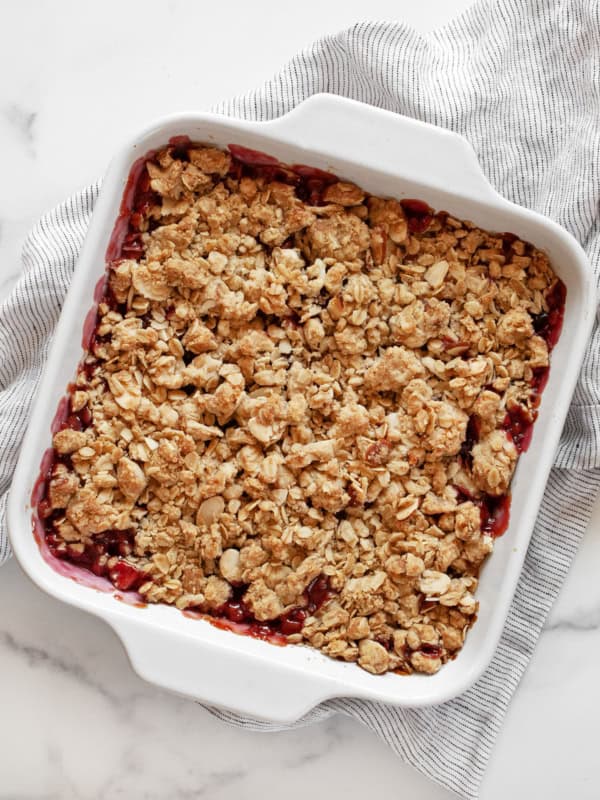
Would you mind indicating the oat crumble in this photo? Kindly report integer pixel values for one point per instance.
(302, 407)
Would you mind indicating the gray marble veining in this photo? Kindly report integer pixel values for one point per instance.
(22, 120)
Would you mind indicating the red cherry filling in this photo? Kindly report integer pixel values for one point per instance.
(419, 215)
(96, 554)
(125, 577)
(318, 593)
(495, 514)
(309, 182)
(494, 511)
(471, 438)
(237, 612)
(539, 380)
(293, 621)
(518, 423)
(549, 324)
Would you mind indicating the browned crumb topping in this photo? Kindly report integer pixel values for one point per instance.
(282, 391)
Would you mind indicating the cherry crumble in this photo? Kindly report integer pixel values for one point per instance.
(301, 406)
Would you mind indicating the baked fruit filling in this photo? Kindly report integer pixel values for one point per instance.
(301, 407)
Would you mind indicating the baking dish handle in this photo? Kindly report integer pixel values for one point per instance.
(423, 153)
(225, 677)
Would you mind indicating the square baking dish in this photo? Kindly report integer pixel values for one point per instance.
(388, 155)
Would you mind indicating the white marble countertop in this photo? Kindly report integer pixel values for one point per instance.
(75, 721)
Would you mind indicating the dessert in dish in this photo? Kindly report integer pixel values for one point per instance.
(301, 406)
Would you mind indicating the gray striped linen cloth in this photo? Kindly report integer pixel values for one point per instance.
(521, 80)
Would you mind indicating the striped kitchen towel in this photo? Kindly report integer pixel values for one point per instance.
(521, 80)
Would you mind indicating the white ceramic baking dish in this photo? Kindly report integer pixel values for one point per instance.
(386, 154)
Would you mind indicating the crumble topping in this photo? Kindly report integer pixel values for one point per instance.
(302, 407)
